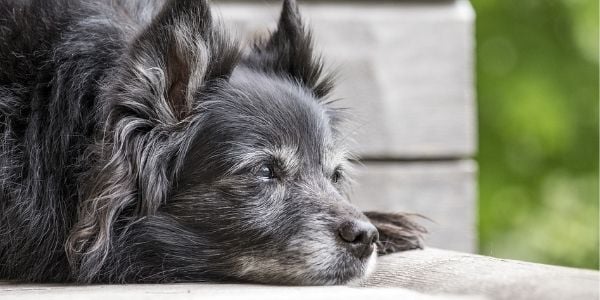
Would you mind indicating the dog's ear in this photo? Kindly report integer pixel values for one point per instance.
(145, 98)
(289, 51)
(397, 232)
(178, 55)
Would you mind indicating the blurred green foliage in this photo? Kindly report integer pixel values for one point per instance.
(537, 81)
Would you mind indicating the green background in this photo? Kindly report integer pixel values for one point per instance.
(537, 83)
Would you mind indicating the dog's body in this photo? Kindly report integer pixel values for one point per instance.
(140, 143)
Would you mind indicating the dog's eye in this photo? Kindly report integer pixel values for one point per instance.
(267, 172)
(337, 175)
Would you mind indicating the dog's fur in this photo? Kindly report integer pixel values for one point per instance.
(141, 143)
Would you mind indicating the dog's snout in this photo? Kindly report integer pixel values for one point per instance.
(360, 237)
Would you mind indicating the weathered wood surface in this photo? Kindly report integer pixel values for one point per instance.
(405, 70)
(445, 192)
(209, 292)
(415, 275)
(437, 271)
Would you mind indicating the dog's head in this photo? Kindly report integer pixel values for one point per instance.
(220, 162)
(266, 178)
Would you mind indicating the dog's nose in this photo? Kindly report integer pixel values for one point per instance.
(360, 237)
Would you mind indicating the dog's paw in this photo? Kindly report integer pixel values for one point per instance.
(397, 231)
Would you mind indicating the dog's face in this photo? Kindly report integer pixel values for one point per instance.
(223, 163)
(267, 179)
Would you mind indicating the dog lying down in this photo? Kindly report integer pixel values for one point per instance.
(141, 143)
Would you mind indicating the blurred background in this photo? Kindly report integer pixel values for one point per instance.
(537, 91)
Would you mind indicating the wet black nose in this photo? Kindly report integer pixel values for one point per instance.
(359, 236)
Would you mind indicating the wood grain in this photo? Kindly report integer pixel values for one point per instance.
(442, 191)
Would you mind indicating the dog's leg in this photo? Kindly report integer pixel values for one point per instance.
(397, 232)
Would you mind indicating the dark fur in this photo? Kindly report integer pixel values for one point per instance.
(132, 136)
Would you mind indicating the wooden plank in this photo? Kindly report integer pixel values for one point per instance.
(405, 70)
(413, 275)
(208, 291)
(445, 192)
(436, 271)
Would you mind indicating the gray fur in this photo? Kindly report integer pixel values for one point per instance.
(135, 139)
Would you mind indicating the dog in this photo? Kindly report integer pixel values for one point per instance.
(142, 143)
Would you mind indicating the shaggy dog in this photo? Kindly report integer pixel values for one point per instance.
(140, 143)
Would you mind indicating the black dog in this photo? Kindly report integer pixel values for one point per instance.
(140, 143)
